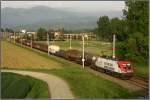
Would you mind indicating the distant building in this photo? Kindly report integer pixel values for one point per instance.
(34, 33)
(14, 37)
(74, 36)
(87, 36)
(57, 35)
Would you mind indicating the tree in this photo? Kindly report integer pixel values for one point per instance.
(9, 30)
(103, 27)
(122, 34)
(115, 27)
(41, 34)
(107, 27)
(136, 17)
(2, 30)
(118, 27)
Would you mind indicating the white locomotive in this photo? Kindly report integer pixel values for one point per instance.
(116, 66)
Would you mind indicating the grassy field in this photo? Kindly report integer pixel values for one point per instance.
(82, 83)
(16, 57)
(141, 70)
(95, 47)
(17, 86)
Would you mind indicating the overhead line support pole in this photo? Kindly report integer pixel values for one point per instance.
(21, 38)
(114, 45)
(31, 40)
(48, 43)
(14, 37)
(83, 51)
(70, 41)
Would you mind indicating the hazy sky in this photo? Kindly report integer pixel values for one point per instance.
(86, 6)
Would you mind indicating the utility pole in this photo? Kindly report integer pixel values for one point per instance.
(20, 35)
(9, 37)
(34, 37)
(14, 38)
(83, 51)
(70, 41)
(31, 39)
(48, 43)
(114, 46)
(21, 38)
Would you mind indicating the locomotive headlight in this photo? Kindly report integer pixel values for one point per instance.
(128, 64)
(124, 65)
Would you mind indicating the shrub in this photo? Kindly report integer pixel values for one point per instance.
(18, 86)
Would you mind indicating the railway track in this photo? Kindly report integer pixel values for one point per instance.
(139, 81)
(142, 78)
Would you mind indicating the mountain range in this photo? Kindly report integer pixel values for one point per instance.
(42, 16)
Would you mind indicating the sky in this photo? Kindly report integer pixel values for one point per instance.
(79, 6)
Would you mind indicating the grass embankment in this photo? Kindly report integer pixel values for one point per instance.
(141, 70)
(95, 47)
(18, 86)
(82, 83)
(16, 57)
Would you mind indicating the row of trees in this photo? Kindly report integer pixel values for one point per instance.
(107, 27)
(7, 30)
(131, 31)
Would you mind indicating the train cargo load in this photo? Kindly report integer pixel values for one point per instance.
(53, 48)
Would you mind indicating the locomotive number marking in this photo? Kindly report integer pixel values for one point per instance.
(108, 66)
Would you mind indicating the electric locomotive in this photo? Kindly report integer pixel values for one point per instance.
(113, 66)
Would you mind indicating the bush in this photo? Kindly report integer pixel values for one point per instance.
(17, 89)
(134, 49)
(17, 86)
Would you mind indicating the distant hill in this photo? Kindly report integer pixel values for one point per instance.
(42, 16)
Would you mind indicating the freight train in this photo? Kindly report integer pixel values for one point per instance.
(119, 68)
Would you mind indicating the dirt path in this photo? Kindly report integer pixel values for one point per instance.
(58, 88)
